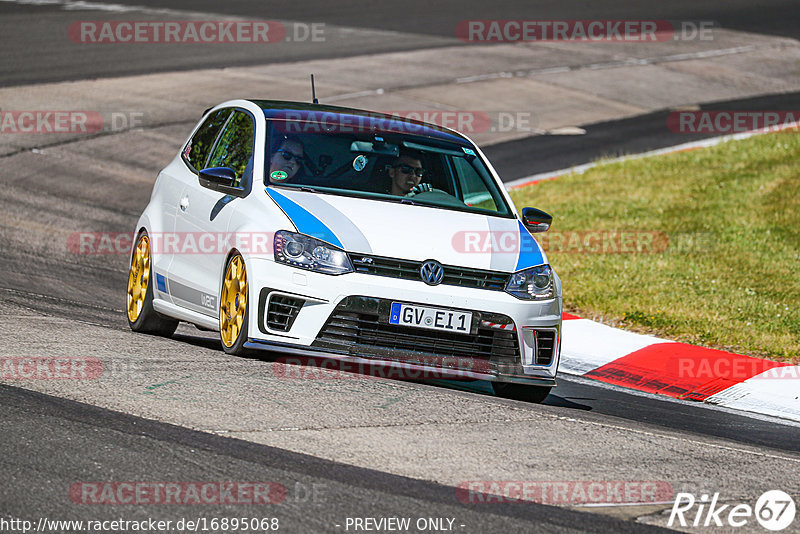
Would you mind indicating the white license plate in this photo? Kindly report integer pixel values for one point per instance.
(433, 318)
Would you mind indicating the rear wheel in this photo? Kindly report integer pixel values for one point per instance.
(141, 315)
(522, 392)
(233, 309)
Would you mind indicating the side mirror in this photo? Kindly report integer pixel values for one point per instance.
(536, 221)
(221, 179)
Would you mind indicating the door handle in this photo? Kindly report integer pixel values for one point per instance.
(184, 203)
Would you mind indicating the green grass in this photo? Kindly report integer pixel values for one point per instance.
(729, 275)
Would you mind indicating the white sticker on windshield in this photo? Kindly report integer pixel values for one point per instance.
(467, 151)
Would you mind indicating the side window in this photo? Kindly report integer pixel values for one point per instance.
(475, 192)
(195, 153)
(235, 146)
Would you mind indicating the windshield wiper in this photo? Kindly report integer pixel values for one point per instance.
(306, 188)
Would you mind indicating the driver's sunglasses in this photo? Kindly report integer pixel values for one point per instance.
(288, 156)
(408, 169)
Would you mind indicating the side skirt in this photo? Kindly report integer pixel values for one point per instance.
(182, 314)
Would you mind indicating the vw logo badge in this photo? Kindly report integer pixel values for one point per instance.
(432, 272)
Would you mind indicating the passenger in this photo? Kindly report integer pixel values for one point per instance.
(286, 161)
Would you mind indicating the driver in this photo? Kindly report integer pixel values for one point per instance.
(406, 172)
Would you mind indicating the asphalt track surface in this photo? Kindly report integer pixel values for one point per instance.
(634, 135)
(776, 17)
(44, 434)
(48, 442)
(34, 56)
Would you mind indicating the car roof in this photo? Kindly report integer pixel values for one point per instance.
(367, 120)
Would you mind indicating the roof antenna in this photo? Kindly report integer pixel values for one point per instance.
(313, 92)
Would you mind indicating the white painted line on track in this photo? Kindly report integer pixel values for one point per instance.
(358, 94)
(609, 64)
(75, 5)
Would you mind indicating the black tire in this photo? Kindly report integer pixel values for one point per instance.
(149, 320)
(237, 349)
(522, 392)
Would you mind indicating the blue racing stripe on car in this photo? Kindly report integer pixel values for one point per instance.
(352, 237)
(161, 282)
(305, 222)
(530, 253)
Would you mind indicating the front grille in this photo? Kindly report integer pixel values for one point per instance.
(459, 276)
(282, 311)
(545, 346)
(409, 270)
(393, 268)
(364, 329)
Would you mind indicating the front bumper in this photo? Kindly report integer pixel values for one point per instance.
(346, 318)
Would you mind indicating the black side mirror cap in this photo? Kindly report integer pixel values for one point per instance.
(221, 179)
(536, 221)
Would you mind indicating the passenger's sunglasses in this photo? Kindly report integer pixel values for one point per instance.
(408, 169)
(288, 156)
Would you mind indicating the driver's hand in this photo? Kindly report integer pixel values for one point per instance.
(419, 188)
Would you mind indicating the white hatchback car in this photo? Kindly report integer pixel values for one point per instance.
(347, 234)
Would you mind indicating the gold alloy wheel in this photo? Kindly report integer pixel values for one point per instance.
(139, 278)
(233, 301)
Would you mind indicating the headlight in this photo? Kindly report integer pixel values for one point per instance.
(305, 252)
(535, 283)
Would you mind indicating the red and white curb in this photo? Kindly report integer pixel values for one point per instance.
(646, 363)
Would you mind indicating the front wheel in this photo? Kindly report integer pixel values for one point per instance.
(141, 315)
(233, 308)
(522, 392)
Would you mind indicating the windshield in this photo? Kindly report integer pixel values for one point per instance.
(384, 165)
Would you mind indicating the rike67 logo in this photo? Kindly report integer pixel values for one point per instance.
(774, 510)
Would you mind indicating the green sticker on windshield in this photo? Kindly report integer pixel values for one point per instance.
(278, 176)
